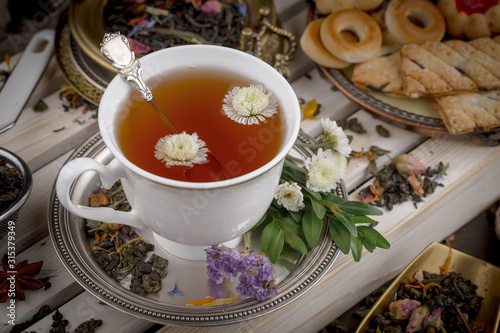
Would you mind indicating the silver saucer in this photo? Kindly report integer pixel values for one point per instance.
(295, 273)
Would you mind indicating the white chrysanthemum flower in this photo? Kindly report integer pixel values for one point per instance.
(335, 137)
(290, 196)
(325, 170)
(249, 105)
(181, 149)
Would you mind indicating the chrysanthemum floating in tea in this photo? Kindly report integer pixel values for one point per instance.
(181, 149)
(249, 105)
(325, 170)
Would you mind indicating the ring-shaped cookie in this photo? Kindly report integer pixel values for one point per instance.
(415, 21)
(310, 43)
(368, 36)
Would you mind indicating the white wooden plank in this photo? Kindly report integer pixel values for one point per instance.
(34, 138)
(86, 306)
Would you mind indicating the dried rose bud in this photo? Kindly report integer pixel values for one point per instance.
(211, 8)
(408, 164)
(419, 277)
(415, 185)
(402, 309)
(417, 319)
(434, 320)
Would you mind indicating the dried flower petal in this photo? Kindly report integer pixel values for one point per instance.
(415, 185)
(417, 319)
(402, 309)
(309, 111)
(211, 8)
(409, 164)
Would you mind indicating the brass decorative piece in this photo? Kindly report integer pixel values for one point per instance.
(253, 41)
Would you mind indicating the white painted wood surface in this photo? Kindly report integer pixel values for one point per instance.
(471, 185)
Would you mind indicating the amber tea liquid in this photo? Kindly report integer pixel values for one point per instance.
(193, 101)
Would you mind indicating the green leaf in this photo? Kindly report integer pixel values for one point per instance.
(272, 241)
(262, 219)
(311, 225)
(318, 208)
(367, 243)
(333, 199)
(276, 247)
(294, 175)
(296, 216)
(374, 236)
(347, 221)
(340, 236)
(360, 208)
(313, 194)
(295, 242)
(363, 219)
(269, 232)
(356, 248)
(289, 225)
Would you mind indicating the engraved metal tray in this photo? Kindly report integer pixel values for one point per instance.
(295, 273)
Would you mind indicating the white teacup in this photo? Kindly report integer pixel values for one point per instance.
(185, 216)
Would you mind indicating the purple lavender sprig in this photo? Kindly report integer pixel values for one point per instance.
(256, 273)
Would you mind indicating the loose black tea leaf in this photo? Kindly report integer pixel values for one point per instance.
(89, 326)
(40, 106)
(352, 124)
(382, 131)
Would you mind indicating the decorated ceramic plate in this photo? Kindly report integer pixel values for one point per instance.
(484, 275)
(186, 280)
(417, 115)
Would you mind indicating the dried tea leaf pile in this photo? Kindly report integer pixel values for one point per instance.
(154, 25)
(443, 302)
(119, 250)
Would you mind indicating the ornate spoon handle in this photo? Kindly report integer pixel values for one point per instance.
(115, 47)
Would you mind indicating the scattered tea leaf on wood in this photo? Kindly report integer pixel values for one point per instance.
(42, 313)
(352, 124)
(382, 131)
(395, 188)
(40, 106)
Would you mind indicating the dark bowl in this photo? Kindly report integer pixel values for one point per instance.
(10, 212)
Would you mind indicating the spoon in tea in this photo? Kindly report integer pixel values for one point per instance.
(115, 47)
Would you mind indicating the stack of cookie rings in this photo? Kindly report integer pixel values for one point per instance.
(325, 40)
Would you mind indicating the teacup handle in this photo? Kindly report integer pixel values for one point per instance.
(109, 174)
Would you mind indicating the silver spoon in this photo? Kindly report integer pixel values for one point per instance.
(116, 48)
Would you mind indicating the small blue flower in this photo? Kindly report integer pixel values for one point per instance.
(175, 291)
